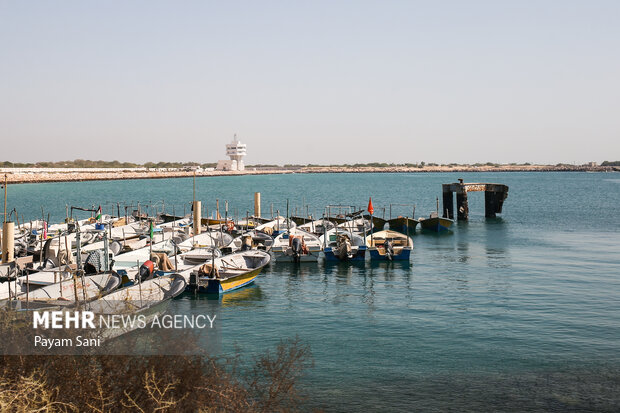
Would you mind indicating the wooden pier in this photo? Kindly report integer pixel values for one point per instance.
(494, 197)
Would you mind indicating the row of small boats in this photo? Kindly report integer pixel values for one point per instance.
(338, 239)
(121, 265)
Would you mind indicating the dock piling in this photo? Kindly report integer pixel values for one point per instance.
(257, 204)
(8, 241)
(448, 204)
(197, 217)
(462, 206)
(494, 197)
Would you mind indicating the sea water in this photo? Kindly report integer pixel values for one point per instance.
(520, 312)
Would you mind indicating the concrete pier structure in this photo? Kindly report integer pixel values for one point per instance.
(494, 197)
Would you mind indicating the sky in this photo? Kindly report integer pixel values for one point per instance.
(324, 82)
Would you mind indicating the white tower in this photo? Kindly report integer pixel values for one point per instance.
(236, 151)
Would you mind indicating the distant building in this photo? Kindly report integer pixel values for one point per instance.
(591, 164)
(236, 151)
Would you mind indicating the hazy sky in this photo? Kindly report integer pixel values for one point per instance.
(311, 82)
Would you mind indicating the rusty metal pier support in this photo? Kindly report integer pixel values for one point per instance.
(494, 197)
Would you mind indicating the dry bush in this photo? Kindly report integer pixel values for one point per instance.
(30, 394)
(275, 377)
(111, 383)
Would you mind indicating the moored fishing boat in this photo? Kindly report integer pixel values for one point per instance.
(389, 246)
(343, 245)
(24, 283)
(296, 245)
(404, 225)
(252, 240)
(436, 223)
(228, 273)
(377, 223)
(251, 222)
(358, 225)
(148, 299)
(277, 226)
(317, 227)
(63, 294)
(341, 218)
(205, 239)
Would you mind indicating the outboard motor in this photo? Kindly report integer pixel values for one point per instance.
(146, 270)
(46, 249)
(246, 243)
(344, 248)
(115, 247)
(389, 249)
(297, 248)
(21, 248)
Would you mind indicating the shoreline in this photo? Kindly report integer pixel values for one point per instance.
(60, 176)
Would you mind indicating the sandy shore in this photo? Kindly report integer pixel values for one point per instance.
(39, 177)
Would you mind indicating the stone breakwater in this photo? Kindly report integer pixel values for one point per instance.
(47, 176)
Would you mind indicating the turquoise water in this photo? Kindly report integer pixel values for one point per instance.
(516, 313)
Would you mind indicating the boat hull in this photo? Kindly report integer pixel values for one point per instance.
(436, 224)
(359, 255)
(403, 225)
(404, 255)
(280, 256)
(378, 224)
(215, 286)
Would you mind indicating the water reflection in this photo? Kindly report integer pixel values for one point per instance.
(342, 272)
(462, 249)
(369, 293)
(389, 269)
(495, 237)
(243, 297)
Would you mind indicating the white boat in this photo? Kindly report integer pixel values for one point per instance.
(148, 299)
(206, 239)
(63, 293)
(123, 262)
(317, 227)
(358, 225)
(139, 296)
(32, 281)
(198, 256)
(133, 259)
(250, 240)
(278, 225)
(251, 222)
(296, 245)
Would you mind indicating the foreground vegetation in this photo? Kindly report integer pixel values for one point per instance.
(121, 379)
(152, 383)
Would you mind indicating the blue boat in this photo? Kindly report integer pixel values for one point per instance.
(436, 223)
(341, 245)
(389, 246)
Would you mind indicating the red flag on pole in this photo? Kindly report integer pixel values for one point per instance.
(370, 208)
